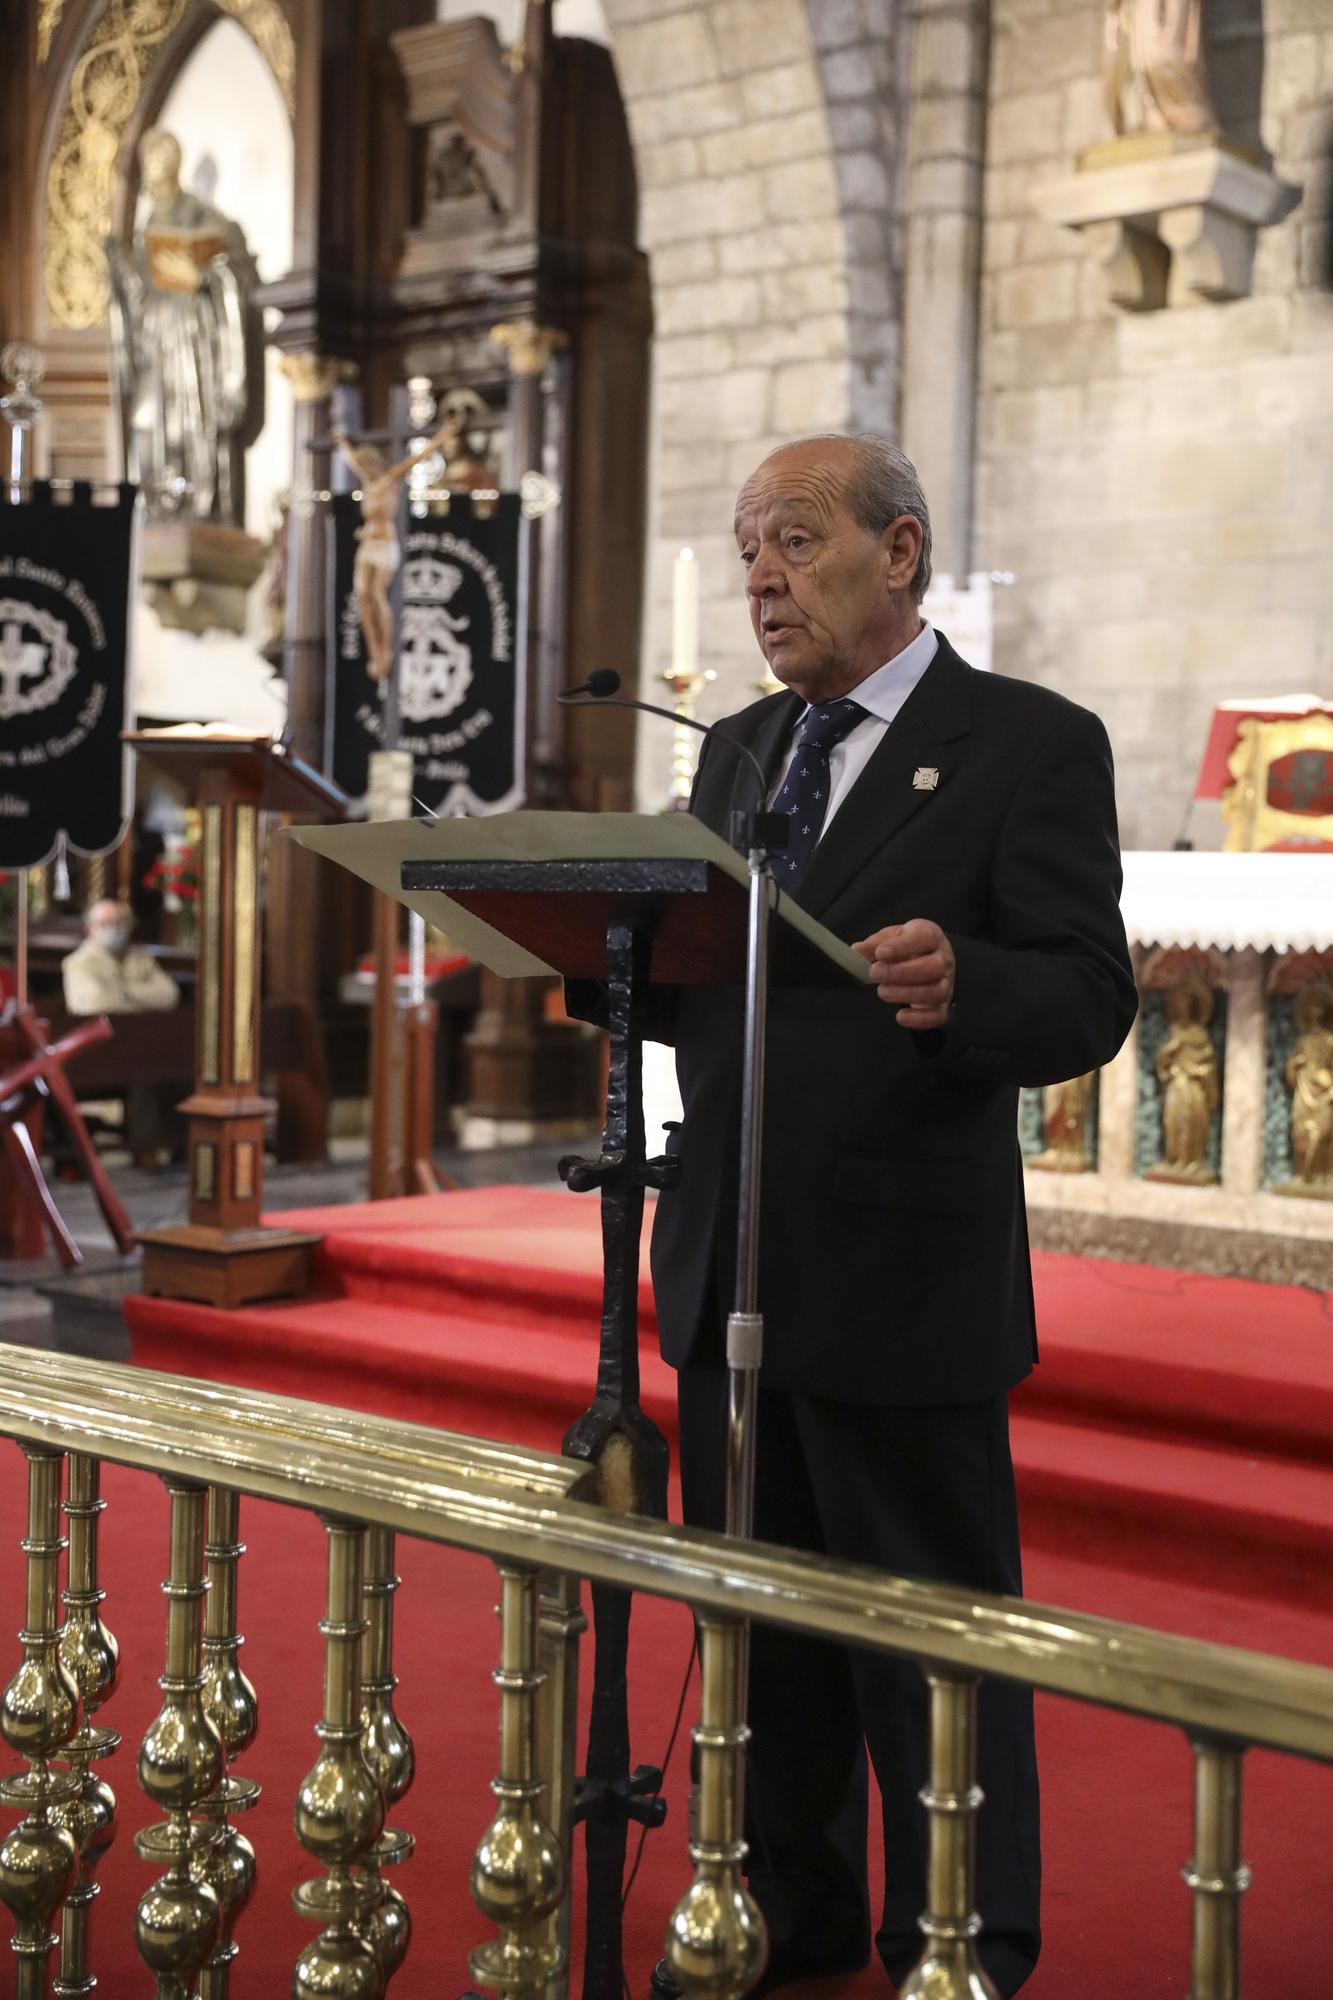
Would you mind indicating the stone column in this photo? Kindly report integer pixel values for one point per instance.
(942, 264)
(1243, 1081)
(294, 876)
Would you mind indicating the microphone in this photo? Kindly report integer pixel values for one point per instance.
(602, 685)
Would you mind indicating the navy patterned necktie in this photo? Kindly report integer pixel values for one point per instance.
(804, 792)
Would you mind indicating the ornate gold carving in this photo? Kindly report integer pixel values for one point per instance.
(1308, 1075)
(1191, 1084)
(105, 85)
(210, 950)
(528, 345)
(48, 20)
(314, 376)
(1252, 803)
(244, 881)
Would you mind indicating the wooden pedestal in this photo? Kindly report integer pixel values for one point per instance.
(224, 1256)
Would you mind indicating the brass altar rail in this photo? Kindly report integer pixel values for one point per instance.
(370, 1478)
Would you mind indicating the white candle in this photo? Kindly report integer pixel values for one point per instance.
(685, 615)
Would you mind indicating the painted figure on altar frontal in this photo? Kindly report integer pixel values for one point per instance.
(1309, 1076)
(1153, 68)
(378, 551)
(1191, 1086)
(187, 347)
(1065, 1110)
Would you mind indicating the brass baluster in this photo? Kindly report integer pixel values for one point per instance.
(715, 1942)
(1217, 1875)
(949, 1968)
(92, 1660)
(227, 1864)
(562, 1623)
(388, 1750)
(518, 1872)
(339, 1808)
(39, 1713)
(181, 1760)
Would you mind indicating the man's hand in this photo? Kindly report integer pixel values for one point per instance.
(913, 967)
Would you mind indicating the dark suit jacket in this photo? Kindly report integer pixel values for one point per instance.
(894, 1258)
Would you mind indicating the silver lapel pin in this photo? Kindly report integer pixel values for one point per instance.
(925, 778)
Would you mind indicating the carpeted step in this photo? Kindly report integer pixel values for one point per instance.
(1258, 1523)
(521, 1382)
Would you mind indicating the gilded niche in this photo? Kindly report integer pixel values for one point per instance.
(105, 86)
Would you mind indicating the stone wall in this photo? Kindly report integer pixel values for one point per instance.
(767, 142)
(1160, 484)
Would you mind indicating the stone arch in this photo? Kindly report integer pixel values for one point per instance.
(105, 70)
(768, 142)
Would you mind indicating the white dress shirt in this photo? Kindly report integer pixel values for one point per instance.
(882, 696)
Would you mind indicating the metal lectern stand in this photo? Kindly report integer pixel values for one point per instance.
(633, 903)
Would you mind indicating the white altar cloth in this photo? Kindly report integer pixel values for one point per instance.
(1266, 902)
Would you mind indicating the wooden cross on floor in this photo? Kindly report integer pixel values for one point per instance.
(41, 1074)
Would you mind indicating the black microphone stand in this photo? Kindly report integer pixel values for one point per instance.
(759, 834)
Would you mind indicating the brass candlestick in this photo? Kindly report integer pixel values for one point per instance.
(686, 685)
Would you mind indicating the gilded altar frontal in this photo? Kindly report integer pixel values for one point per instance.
(666, 998)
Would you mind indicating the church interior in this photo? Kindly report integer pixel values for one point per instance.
(379, 380)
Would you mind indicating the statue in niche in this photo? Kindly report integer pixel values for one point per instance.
(453, 171)
(187, 347)
(1065, 1111)
(1191, 1086)
(1153, 67)
(1309, 1078)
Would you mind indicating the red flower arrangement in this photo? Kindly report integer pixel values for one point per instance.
(175, 875)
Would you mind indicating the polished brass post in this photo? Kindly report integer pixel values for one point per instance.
(949, 1968)
(92, 1660)
(562, 1622)
(1217, 1875)
(181, 1760)
(227, 1864)
(339, 1808)
(388, 1750)
(39, 1713)
(518, 1871)
(716, 1946)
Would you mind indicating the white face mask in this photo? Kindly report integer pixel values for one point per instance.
(111, 937)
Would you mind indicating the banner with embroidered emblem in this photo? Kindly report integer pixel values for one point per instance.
(67, 571)
(458, 691)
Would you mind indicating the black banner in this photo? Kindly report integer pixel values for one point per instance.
(460, 698)
(66, 574)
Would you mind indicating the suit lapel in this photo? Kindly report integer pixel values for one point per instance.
(884, 797)
(774, 721)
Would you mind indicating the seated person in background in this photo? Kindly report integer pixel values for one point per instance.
(106, 974)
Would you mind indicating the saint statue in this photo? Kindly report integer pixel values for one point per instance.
(378, 551)
(1191, 1086)
(187, 346)
(1309, 1075)
(1153, 68)
(1065, 1110)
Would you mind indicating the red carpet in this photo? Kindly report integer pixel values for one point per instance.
(1116, 1791)
(1174, 1420)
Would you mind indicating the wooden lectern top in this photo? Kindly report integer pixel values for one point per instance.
(531, 894)
(253, 767)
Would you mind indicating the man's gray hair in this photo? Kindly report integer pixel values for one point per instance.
(881, 485)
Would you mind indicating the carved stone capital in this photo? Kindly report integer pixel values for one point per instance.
(528, 345)
(314, 377)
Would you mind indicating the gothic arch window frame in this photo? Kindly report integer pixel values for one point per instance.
(94, 120)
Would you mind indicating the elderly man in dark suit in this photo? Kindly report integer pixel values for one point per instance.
(959, 830)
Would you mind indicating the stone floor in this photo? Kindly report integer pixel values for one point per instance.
(35, 1302)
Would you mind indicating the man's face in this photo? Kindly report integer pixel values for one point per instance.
(109, 926)
(826, 595)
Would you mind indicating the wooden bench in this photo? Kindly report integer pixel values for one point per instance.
(159, 1048)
